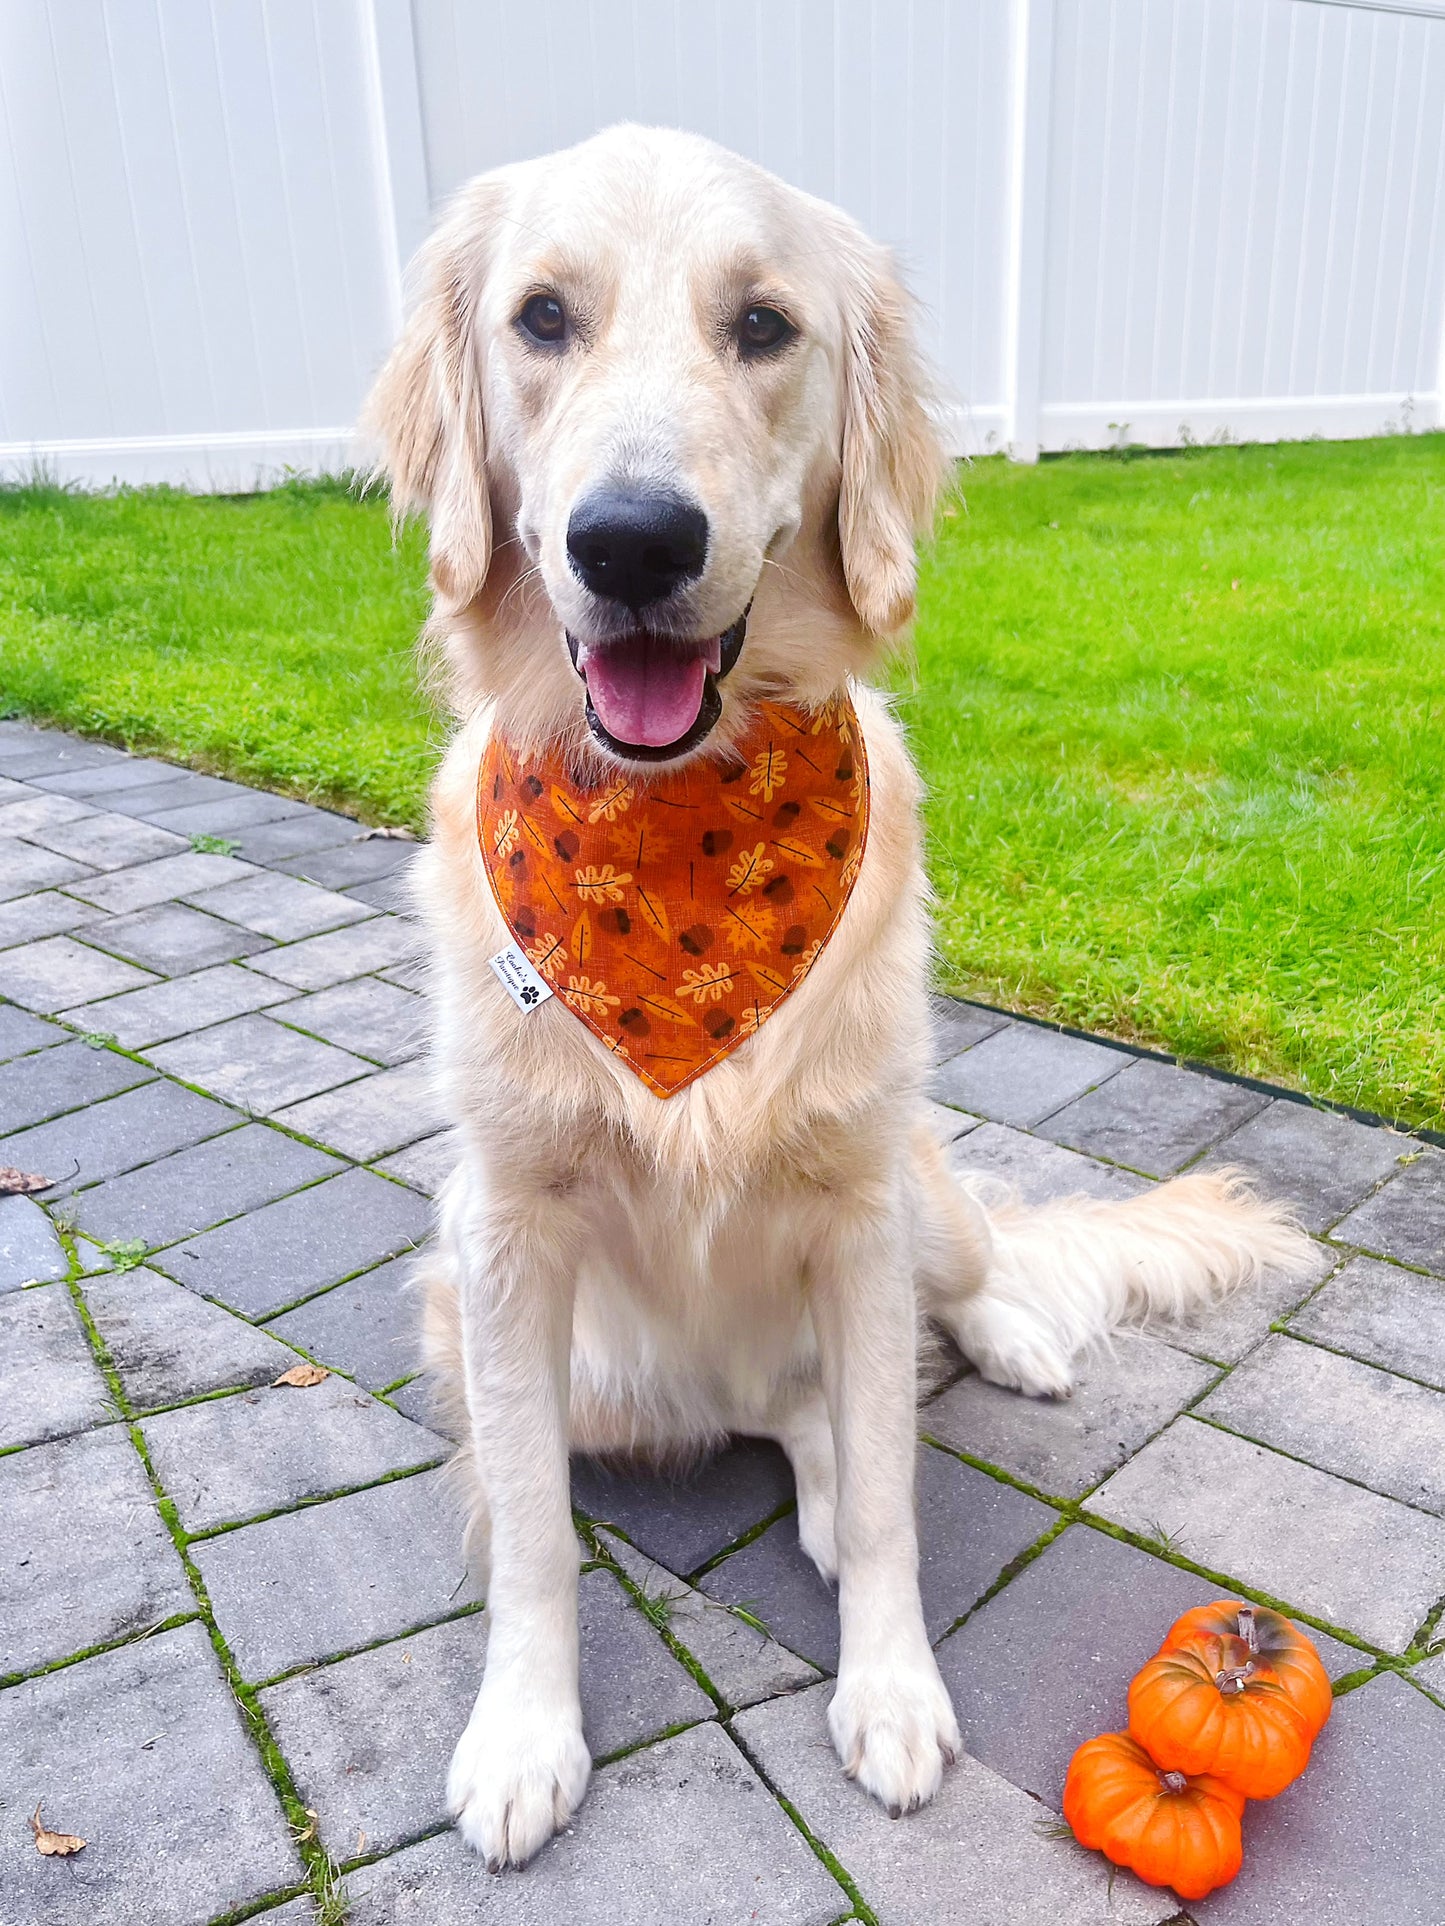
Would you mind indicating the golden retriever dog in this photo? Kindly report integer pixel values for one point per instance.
(673, 439)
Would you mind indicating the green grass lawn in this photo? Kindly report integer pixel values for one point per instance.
(1183, 719)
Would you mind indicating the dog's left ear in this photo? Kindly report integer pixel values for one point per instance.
(425, 409)
(893, 463)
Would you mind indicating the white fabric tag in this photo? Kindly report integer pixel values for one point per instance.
(523, 985)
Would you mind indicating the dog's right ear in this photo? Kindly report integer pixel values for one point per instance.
(426, 406)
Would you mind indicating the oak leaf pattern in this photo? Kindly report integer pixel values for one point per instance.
(751, 868)
(673, 913)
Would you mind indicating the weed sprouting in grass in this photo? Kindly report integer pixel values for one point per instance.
(655, 1607)
(1167, 1543)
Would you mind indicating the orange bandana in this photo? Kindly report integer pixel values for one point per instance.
(673, 913)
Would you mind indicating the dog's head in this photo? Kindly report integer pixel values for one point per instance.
(665, 416)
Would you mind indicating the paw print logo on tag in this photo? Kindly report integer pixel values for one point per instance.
(514, 971)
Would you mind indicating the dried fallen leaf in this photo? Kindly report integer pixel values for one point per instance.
(58, 1844)
(20, 1183)
(391, 830)
(303, 1375)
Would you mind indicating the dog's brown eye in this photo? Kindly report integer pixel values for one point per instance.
(760, 330)
(544, 319)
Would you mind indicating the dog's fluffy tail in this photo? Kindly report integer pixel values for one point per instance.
(1061, 1277)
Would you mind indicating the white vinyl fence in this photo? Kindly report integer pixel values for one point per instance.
(1126, 220)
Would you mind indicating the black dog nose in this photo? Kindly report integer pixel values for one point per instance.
(636, 545)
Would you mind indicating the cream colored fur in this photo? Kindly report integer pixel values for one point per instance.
(756, 1254)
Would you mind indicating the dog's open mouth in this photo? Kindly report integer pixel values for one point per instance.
(650, 697)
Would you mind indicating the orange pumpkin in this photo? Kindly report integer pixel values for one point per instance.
(1169, 1828)
(1269, 1636)
(1212, 1706)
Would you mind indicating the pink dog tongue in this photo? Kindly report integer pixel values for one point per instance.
(645, 691)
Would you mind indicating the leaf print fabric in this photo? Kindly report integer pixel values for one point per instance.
(673, 913)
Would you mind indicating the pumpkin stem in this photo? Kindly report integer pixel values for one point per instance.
(1173, 1782)
(1248, 1627)
(1234, 1678)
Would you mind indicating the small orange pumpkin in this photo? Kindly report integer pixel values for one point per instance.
(1212, 1706)
(1269, 1636)
(1169, 1828)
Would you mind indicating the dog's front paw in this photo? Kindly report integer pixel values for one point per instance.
(894, 1730)
(517, 1775)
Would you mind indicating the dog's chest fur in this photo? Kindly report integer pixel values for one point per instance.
(695, 1269)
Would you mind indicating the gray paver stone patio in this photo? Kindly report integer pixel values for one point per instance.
(36, 1088)
(381, 1113)
(1367, 1564)
(167, 1344)
(1023, 1073)
(174, 939)
(1046, 1663)
(955, 1027)
(1357, 1840)
(1040, 1172)
(319, 961)
(279, 906)
(258, 1064)
(1343, 1416)
(367, 1328)
(293, 836)
(666, 1837)
(369, 1017)
(25, 867)
(977, 1853)
(228, 813)
(741, 1663)
(87, 1558)
(106, 1139)
(1319, 1162)
(181, 788)
(1382, 1314)
(49, 1381)
(1153, 1116)
(417, 1400)
(106, 839)
(362, 860)
(58, 973)
(144, 1754)
(1406, 1218)
(192, 1189)
(1121, 1397)
(274, 1256)
(105, 778)
(226, 1459)
(948, 1125)
(683, 1521)
(33, 810)
(313, 1583)
(370, 1737)
(47, 913)
(425, 1166)
(20, 1032)
(177, 1007)
(161, 881)
(30, 1251)
(970, 1527)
